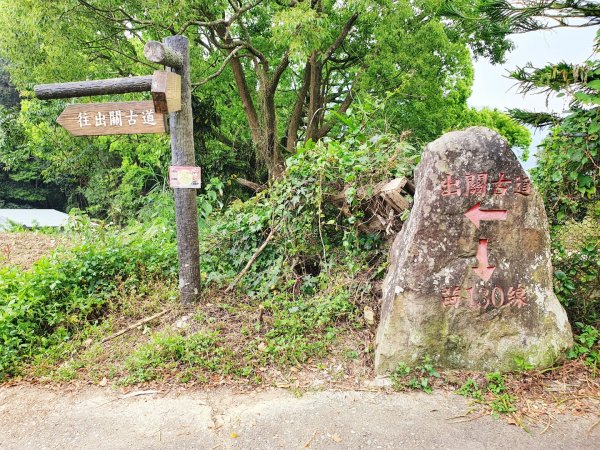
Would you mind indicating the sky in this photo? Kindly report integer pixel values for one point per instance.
(493, 89)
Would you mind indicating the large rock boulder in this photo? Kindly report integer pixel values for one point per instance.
(470, 277)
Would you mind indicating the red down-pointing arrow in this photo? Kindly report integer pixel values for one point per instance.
(475, 214)
(483, 270)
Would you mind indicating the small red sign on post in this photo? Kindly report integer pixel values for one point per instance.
(187, 177)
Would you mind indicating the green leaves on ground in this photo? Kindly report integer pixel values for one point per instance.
(494, 394)
(419, 378)
(587, 345)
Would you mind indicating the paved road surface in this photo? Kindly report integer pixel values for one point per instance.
(99, 418)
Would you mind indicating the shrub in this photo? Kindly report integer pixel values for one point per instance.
(576, 259)
(311, 235)
(41, 307)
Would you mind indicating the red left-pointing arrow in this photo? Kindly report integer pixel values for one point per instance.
(475, 214)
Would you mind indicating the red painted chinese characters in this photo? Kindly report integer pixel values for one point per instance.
(476, 184)
(479, 184)
(456, 296)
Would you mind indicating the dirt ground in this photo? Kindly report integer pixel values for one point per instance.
(90, 418)
(23, 249)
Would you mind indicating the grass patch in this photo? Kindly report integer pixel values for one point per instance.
(240, 338)
(493, 393)
(189, 356)
(63, 295)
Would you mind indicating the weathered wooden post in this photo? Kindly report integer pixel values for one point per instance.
(174, 53)
(171, 93)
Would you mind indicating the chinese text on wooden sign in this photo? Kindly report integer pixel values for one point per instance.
(98, 119)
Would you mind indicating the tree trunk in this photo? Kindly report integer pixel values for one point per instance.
(271, 151)
(296, 117)
(247, 103)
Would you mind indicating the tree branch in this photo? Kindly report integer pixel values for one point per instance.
(324, 131)
(226, 22)
(296, 116)
(255, 187)
(314, 92)
(345, 30)
(246, 97)
(254, 256)
(285, 61)
(224, 64)
(109, 15)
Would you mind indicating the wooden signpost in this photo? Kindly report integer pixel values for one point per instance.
(171, 94)
(98, 119)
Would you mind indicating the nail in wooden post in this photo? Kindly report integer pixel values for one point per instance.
(182, 151)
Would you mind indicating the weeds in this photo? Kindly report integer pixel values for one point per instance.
(190, 356)
(495, 396)
(471, 389)
(44, 307)
(418, 379)
(587, 345)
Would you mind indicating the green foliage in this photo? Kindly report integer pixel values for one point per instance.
(495, 383)
(532, 15)
(576, 259)
(567, 172)
(471, 389)
(403, 377)
(495, 395)
(411, 55)
(587, 345)
(569, 159)
(568, 167)
(46, 167)
(521, 364)
(557, 77)
(190, 355)
(45, 306)
(9, 97)
(502, 402)
(488, 37)
(421, 71)
(21, 181)
(305, 326)
(302, 280)
(310, 234)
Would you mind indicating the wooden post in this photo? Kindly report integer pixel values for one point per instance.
(162, 54)
(93, 87)
(182, 153)
(166, 91)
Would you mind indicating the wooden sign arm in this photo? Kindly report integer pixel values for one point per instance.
(158, 53)
(93, 87)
